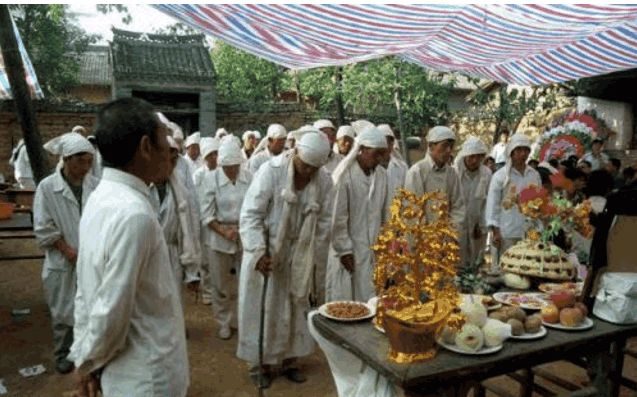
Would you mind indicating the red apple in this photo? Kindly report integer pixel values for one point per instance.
(582, 307)
(571, 317)
(563, 298)
(550, 314)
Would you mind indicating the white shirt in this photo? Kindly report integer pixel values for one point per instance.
(499, 152)
(56, 215)
(193, 165)
(332, 161)
(221, 201)
(597, 162)
(128, 316)
(396, 174)
(510, 221)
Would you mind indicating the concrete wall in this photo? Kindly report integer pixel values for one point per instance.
(617, 115)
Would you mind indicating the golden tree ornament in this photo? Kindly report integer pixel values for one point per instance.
(416, 257)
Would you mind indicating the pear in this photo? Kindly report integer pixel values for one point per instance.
(475, 313)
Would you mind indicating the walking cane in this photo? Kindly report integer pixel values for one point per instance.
(264, 291)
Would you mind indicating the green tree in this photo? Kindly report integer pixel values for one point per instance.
(53, 42)
(243, 77)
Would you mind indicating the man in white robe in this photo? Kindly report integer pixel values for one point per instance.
(270, 146)
(498, 152)
(221, 195)
(285, 212)
(180, 224)
(395, 166)
(129, 325)
(249, 139)
(329, 130)
(209, 151)
(57, 207)
(474, 185)
(193, 152)
(22, 166)
(344, 139)
(507, 225)
(434, 173)
(360, 208)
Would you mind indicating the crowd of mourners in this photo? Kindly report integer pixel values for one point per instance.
(266, 228)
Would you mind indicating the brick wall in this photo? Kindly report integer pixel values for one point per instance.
(50, 125)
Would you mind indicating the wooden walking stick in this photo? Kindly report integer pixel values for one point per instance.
(264, 292)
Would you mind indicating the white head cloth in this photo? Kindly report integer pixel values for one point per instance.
(193, 139)
(515, 141)
(386, 130)
(174, 128)
(230, 137)
(79, 129)
(257, 134)
(313, 148)
(246, 135)
(220, 133)
(69, 144)
(440, 133)
(324, 123)
(361, 125)
(208, 145)
(171, 142)
(298, 134)
(275, 131)
(472, 145)
(371, 137)
(229, 153)
(345, 130)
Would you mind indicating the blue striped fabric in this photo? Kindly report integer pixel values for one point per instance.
(515, 43)
(32, 80)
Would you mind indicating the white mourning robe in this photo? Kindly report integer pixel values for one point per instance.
(22, 169)
(510, 221)
(474, 186)
(332, 161)
(396, 174)
(360, 208)
(193, 165)
(258, 159)
(56, 215)
(425, 177)
(286, 332)
(128, 316)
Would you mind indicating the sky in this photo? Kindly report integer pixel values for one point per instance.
(145, 19)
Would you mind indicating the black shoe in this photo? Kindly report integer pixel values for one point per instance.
(64, 366)
(294, 375)
(261, 380)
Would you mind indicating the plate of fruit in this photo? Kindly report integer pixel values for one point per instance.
(525, 300)
(523, 326)
(565, 313)
(488, 302)
(549, 288)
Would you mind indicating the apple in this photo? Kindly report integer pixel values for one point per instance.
(571, 317)
(582, 307)
(563, 298)
(550, 314)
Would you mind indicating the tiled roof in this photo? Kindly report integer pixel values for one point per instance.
(161, 58)
(94, 66)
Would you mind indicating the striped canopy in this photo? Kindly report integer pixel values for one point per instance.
(31, 78)
(522, 44)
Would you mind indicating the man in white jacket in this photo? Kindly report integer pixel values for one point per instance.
(396, 167)
(326, 127)
(360, 208)
(270, 146)
(22, 166)
(193, 152)
(434, 173)
(129, 324)
(507, 224)
(286, 211)
(57, 207)
(474, 185)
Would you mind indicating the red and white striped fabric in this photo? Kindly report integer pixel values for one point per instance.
(522, 44)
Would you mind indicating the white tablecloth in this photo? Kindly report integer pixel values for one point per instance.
(352, 377)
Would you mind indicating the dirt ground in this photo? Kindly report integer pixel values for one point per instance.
(214, 369)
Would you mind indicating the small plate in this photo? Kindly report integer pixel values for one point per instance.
(548, 288)
(493, 306)
(323, 311)
(540, 334)
(586, 324)
(525, 300)
(483, 351)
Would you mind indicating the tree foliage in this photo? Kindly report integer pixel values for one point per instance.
(51, 38)
(243, 77)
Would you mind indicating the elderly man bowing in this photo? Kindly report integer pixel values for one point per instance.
(474, 185)
(271, 146)
(58, 204)
(433, 173)
(360, 208)
(128, 318)
(286, 211)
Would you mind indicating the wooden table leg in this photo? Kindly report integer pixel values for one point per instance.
(601, 364)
